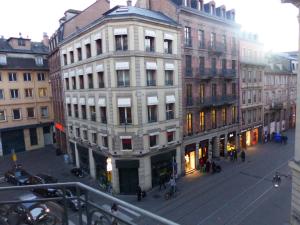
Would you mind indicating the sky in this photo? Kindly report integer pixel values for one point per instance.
(275, 23)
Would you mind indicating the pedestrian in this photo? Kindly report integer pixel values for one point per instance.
(207, 166)
(235, 155)
(114, 211)
(201, 163)
(231, 155)
(162, 181)
(173, 184)
(139, 193)
(243, 155)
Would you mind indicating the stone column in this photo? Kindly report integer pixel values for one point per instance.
(225, 145)
(210, 150)
(216, 147)
(92, 164)
(77, 156)
(197, 155)
(237, 140)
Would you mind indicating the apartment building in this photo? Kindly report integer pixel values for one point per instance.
(279, 95)
(210, 77)
(252, 66)
(25, 96)
(123, 102)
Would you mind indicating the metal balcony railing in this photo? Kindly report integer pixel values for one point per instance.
(215, 101)
(95, 207)
(253, 60)
(216, 47)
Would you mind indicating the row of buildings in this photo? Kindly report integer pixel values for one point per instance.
(145, 91)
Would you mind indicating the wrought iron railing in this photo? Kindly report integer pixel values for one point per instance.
(96, 207)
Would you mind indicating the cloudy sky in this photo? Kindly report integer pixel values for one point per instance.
(275, 23)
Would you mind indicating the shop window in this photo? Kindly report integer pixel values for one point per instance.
(126, 144)
(153, 141)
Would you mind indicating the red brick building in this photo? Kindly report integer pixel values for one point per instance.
(210, 77)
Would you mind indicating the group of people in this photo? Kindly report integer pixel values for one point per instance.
(207, 166)
(234, 155)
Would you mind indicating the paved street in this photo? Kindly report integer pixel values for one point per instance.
(242, 194)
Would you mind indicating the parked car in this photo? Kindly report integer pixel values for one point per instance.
(32, 212)
(17, 176)
(73, 203)
(42, 179)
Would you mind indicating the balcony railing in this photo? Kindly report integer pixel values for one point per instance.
(215, 101)
(95, 206)
(169, 82)
(151, 82)
(216, 47)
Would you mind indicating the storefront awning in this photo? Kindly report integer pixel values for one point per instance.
(170, 99)
(124, 102)
(152, 100)
(101, 102)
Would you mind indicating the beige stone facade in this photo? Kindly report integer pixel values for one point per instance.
(126, 104)
(25, 97)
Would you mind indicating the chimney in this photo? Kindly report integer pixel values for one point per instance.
(129, 2)
(45, 39)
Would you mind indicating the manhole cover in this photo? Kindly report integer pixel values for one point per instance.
(156, 196)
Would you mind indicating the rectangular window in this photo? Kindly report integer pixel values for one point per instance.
(65, 59)
(103, 116)
(88, 50)
(125, 115)
(27, 76)
(224, 89)
(28, 92)
(189, 94)
(214, 66)
(33, 136)
(76, 112)
(249, 97)
(224, 116)
(44, 112)
(201, 38)
(233, 114)
(153, 141)
(69, 110)
(123, 78)
(244, 75)
(30, 113)
(224, 42)
(105, 141)
(249, 76)
(77, 130)
(83, 112)
(14, 93)
(170, 136)
(188, 65)
(71, 56)
(67, 83)
(188, 36)
(149, 44)
(151, 78)
(81, 82)
(94, 138)
(202, 93)
(168, 46)
(121, 42)
(42, 92)
(85, 134)
(73, 83)
(201, 65)
(99, 46)
(2, 115)
(244, 97)
(12, 76)
(91, 81)
(39, 61)
(254, 96)
(170, 111)
(213, 40)
(202, 121)
(224, 65)
(254, 115)
(214, 90)
(93, 113)
(16, 114)
(41, 76)
(79, 54)
(101, 80)
(233, 42)
(233, 65)
(213, 119)
(233, 89)
(249, 116)
(126, 144)
(169, 78)
(152, 113)
(1, 94)
(189, 123)
(243, 118)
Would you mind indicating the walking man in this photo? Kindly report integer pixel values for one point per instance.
(243, 155)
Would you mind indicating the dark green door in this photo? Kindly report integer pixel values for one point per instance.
(13, 140)
(129, 180)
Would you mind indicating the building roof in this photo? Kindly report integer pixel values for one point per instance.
(36, 48)
(120, 11)
(23, 64)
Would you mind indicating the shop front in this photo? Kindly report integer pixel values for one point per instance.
(203, 150)
(128, 175)
(162, 166)
(101, 167)
(190, 158)
(83, 155)
(231, 145)
(249, 137)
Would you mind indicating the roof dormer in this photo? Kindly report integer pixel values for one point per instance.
(221, 11)
(230, 14)
(210, 7)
